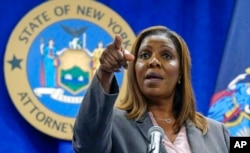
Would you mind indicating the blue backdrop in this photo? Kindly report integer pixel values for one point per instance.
(203, 24)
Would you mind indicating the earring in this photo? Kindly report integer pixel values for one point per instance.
(179, 82)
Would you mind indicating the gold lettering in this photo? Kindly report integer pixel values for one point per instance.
(32, 26)
(89, 12)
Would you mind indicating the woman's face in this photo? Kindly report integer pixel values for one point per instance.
(157, 67)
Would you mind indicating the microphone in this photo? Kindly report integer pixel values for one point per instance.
(155, 135)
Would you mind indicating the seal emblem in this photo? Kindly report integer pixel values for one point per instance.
(51, 57)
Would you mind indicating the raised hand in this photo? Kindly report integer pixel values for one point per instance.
(114, 56)
(112, 59)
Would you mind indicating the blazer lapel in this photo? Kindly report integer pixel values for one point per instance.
(195, 138)
(144, 124)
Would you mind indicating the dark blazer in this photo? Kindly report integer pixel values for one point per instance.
(101, 128)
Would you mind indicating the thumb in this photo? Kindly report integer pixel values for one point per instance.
(128, 56)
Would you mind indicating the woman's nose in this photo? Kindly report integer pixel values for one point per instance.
(154, 62)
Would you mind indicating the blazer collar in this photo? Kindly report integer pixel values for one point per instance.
(144, 123)
(195, 138)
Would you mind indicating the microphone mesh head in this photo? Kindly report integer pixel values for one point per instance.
(155, 129)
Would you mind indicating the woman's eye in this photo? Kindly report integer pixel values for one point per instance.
(144, 55)
(166, 55)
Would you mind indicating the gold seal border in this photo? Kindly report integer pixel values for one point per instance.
(30, 26)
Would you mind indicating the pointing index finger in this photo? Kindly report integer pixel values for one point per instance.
(119, 47)
(118, 42)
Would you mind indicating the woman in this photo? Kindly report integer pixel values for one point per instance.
(159, 92)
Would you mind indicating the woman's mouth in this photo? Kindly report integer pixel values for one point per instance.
(153, 77)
